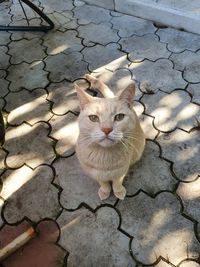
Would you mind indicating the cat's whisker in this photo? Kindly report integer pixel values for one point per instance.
(124, 145)
(131, 145)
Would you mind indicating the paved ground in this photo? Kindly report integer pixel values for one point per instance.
(158, 223)
(193, 6)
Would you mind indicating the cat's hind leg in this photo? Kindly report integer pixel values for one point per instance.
(104, 190)
(118, 189)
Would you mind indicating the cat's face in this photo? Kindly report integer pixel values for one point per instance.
(105, 121)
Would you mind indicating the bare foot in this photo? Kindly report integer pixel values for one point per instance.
(103, 194)
(120, 194)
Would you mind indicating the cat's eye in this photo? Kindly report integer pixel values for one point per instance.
(94, 118)
(119, 117)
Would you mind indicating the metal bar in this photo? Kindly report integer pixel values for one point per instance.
(17, 243)
(42, 28)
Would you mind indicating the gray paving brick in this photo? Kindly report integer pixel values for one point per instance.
(65, 130)
(194, 90)
(28, 106)
(149, 73)
(26, 50)
(65, 42)
(4, 63)
(21, 150)
(190, 195)
(68, 67)
(188, 62)
(150, 179)
(87, 14)
(151, 219)
(171, 110)
(144, 47)
(96, 33)
(50, 6)
(128, 26)
(98, 238)
(111, 57)
(32, 195)
(178, 41)
(117, 80)
(29, 76)
(182, 149)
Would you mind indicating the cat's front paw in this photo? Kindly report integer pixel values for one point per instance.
(103, 194)
(120, 194)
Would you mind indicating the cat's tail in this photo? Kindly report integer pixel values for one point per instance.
(99, 85)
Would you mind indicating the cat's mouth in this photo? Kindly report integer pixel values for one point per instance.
(107, 141)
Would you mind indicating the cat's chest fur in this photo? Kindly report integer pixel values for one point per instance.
(104, 163)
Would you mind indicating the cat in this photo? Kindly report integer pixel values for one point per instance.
(110, 136)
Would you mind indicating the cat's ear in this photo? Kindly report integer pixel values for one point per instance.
(128, 94)
(83, 97)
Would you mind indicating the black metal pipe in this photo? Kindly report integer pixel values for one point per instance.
(42, 28)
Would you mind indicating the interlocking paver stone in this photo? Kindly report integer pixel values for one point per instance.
(65, 130)
(29, 76)
(158, 228)
(32, 195)
(3, 83)
(50, 6)
(141, 47)
(194, 90)
(68, 67)
(4, 63)
(96, 33)
(63, 21)
(183, 150)
(5, 17)
(128, 26)
(108, 4)
(178, 41)
(171, 110)
(99, 242)
(26, 50)
(17, 12)
(150, 179)
(117, 80)
(77, 186)
(79, 3)
(188, 62)
(4, 37)
(87, 14)
(149, 73)
(64, 97)
(65, 42)
(19, 35)
(28, 106)
(21, 150)
(190, 195)
(111, 57)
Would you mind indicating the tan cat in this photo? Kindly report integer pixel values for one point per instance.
(110, 138)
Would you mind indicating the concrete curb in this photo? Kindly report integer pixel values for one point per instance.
(176, 18)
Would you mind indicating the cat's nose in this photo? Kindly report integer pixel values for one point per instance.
(106, 130)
